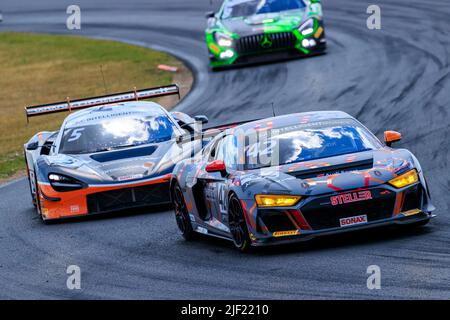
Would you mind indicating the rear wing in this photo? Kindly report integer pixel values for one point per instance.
(79, 104)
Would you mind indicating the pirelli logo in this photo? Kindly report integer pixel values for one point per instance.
(285, 233)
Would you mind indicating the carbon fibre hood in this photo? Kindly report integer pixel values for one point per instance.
(340, 173)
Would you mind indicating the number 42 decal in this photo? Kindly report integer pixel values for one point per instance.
(223, 203)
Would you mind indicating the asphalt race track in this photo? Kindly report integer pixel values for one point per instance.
(394, 78)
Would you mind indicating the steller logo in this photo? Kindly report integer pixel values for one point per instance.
(350, 197)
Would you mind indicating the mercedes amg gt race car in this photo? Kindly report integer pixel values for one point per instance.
(253, 31)
(295, 177)
(118, 153)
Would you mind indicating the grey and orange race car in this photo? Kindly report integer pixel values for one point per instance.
(118, 153)
(295, 177)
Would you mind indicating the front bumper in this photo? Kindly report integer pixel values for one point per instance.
(244, 54)
(318, 215)
(254, 59)
(97, 199)
(306, 235)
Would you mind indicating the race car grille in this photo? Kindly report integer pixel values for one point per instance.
(265, 42)
(320, 214)
(128, 198)
(276, 220)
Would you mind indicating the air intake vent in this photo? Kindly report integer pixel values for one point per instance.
(123, 154)
(341, 168)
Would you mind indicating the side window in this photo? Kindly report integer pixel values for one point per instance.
(211, 150)
(228, 152)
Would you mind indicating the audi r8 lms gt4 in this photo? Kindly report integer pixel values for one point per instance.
(118, 153)
(249, 31)
(295, 177)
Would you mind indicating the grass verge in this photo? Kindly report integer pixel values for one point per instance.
(38, 69)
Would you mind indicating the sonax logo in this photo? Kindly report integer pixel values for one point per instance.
(350, 197)
(353, 220)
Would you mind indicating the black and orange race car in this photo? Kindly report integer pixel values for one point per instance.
(295, 177)
(117, 153)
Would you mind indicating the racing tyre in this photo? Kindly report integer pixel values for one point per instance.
(33, 196)
(38, 203)
(181, 214)
(238, 226)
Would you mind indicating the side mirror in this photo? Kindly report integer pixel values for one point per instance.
(210, 14)
(33, 146)
(216, 166)
(392, 136)
(201, 118)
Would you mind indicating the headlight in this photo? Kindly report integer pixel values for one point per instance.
(223, 40)
(63, 183)
(405, 179)
(264, 200)
(307, 28)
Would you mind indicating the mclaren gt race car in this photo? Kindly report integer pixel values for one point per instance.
(118, 153)
(253, 31)
(295, 177)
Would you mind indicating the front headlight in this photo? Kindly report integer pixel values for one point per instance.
(223, 40)
(307, 28)
(405, 179)
(265, 200)
(63, 183)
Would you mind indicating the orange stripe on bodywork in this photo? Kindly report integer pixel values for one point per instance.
(248, 218)
(330, 183)
(288, 213)
(300, 219)
(399, 203)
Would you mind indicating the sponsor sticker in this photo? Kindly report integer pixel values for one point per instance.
(345, 222)
(75, 209)
(411, 212)
(285, 233)
(130, 177)
(350, 197)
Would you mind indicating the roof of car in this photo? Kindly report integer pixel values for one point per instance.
(100, 113)
(293, 119)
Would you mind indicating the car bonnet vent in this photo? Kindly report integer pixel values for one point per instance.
(336, 169)
(123, 154)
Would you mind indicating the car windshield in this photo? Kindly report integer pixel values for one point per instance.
(307, 142)
(244, 8)
(116, 133)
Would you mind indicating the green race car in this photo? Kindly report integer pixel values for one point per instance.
(253, 31)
